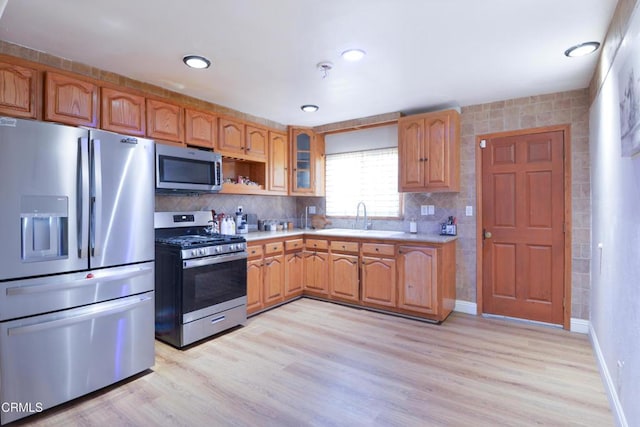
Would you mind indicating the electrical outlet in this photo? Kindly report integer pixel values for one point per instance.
(424, 210)
(432, 209)
(468, 211)
(312, 209)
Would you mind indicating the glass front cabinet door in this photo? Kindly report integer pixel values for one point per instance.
(302, 158)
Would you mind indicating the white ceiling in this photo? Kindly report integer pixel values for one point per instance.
(420, 53)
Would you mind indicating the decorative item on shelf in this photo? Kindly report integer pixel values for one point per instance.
(245, 180)
(413, 226)
(319, 222)
(449, 228)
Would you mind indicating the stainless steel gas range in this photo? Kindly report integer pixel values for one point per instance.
(201, 278)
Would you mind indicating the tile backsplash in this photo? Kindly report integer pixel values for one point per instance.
(280, 208)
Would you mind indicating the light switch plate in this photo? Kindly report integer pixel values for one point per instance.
(424, 210)
(312, 209)
(432, 209)
(469, 211)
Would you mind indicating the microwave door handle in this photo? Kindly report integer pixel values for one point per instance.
(82, 188)
(96, 197)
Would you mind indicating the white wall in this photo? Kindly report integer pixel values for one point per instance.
(615, 267)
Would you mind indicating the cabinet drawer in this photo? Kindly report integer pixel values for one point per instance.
(341, 246)
(378, 249)
(291, 245)
(273, 248)
(254, 251)
(316, 244)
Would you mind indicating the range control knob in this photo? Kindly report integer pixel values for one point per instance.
(232, 247)
(202, 251)
(218, 249)
(194, 252)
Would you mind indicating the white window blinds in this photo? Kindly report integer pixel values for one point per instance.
(369, 176)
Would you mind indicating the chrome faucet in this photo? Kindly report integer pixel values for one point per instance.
(364, 208)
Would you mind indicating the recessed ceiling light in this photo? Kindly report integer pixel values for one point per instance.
(353, 54)
(582, 49)
(196, 61)
(309, 108)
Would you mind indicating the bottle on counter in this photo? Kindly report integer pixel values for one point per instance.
(413, 226)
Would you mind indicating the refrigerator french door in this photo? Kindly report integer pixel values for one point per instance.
(76, 263)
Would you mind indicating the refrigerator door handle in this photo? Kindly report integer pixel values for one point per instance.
(95, 312)
(47, 286)
(82, 220)
(96, 197)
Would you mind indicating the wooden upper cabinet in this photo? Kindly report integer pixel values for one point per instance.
(70, 100)
(410, 153)
(278, 176)
(256, 143)
(18, 91)
(429, 152)
(307, 162)
(164, 121)
(231, 142)
(122, 112)
(201, 128)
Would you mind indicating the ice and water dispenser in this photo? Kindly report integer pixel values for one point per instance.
(44, 221)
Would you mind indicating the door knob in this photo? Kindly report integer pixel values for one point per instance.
(487, 234)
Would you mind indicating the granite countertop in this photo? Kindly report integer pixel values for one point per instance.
(350, 233)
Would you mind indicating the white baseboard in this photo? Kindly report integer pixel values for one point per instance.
(610, 389)
(466, 307)
(580, 326)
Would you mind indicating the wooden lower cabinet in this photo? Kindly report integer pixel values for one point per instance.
(316, 273)
(293, 274)
(254, 285)
(379, 281)
(418, 278)
(427, 280)
(273, 280)
(344, 277)
(411, 279)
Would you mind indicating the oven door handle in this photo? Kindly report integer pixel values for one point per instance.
(216, 259)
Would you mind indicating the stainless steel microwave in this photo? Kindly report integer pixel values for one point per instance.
(187, 170)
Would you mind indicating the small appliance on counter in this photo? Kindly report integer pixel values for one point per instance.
(449, 228)
(201, 278)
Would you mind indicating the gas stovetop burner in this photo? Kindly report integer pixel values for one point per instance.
(194, 240)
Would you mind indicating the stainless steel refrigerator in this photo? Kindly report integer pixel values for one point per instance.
(76, 262)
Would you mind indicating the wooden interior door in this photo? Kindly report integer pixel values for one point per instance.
(523, 226)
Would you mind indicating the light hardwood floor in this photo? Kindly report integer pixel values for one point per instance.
(315, 363)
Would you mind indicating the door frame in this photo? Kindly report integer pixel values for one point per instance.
(566, 129)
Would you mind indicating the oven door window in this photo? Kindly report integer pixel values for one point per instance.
(213, 284)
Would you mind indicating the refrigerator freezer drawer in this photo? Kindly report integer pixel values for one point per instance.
(21, 298)
(49, 359)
